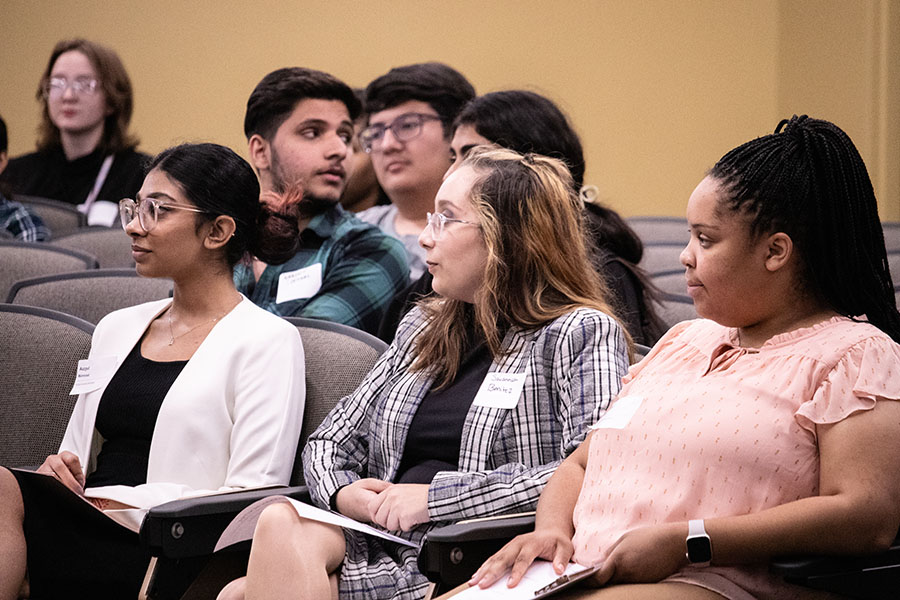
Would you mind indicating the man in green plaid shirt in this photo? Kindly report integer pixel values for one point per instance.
(299, 125)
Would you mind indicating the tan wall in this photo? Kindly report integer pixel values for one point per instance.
(840, 60)
(658, 89)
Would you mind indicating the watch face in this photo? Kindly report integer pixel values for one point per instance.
(699, 549)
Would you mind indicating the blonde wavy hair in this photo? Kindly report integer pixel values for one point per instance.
(538, 265)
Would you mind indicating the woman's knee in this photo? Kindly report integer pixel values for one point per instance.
(11, 505)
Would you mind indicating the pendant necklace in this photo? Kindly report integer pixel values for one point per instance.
(173, 337)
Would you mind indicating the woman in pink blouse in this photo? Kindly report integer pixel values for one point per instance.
(767, 429)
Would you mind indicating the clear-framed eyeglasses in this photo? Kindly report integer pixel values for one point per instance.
(404, 128)
(57, 86)
(148, 211)
(437, 222)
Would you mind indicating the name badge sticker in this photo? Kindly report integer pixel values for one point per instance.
(500, 390)
(302, 283)
(619, 414)
(93, 373)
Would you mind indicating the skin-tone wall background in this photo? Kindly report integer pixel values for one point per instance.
(658, 89)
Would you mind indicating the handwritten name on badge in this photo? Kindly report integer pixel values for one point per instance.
(302, 283)
(93, 373)
(619, 414)
(500, 390)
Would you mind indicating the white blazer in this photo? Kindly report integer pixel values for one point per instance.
(230, 420)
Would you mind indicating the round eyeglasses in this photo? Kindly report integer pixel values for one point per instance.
(404, 128)
(57, 86)
(437, 222)
(148, 211)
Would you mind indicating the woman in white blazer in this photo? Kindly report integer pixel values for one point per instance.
(192, 395)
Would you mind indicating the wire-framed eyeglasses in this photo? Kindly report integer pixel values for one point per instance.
(57, 86)
(438, 221)
(404, 128)
(148, 211)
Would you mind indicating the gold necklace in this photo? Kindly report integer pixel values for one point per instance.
(173, 337)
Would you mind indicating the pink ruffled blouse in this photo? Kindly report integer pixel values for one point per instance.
(713, 429)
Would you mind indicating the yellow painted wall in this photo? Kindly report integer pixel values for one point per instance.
(658, 89)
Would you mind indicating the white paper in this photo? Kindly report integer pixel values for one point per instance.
(242, 526)
(500, 390)
(103, 212)
(93, 373)
(619, 414)
(302, 283)
(538, 575)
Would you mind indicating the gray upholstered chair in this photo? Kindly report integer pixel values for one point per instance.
(23, 260)
(670, 230)
(891, 235)
(89, 295)
(61, 217)
(675, 308)
(183, 533)
(670, 282)
(39, 353)
(110, 245)
(660, 257)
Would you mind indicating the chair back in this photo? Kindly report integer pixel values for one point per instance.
(893, 259)
(675, 308)
(670, 282)
(89, 295)
(640, 351)
(110, 245)
(338, 357)
(891, 231)
(39, 352)
(661, 257)
(23, 260)
(670, 230)
(60, 217)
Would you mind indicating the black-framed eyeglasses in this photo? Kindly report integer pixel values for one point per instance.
(404, 128)
(148, 211)
(57, 86)
(438, 221)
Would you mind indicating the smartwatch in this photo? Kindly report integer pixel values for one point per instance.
(699, 547)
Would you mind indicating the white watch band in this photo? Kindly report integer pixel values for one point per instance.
(695, 527)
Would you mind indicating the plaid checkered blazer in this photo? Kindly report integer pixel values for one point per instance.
(573, 368)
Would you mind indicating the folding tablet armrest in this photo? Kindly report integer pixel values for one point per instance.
(191, 527)
(450, 554)
(868, 577)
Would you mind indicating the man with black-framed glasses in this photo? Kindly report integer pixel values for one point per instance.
(411, 110)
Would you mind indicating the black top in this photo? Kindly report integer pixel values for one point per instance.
(48, 174)
(126, 418)
(435, 432)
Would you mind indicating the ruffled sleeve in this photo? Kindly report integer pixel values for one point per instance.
(868, 371)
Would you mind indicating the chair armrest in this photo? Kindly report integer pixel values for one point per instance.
(192, 526)
(854, 576)
(450, 554)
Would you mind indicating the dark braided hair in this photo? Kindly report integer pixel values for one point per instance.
(808, 180)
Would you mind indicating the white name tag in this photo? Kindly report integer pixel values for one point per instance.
(500, 390)
(619, 414)
(104, 213)
(302, 283)
(93, 373)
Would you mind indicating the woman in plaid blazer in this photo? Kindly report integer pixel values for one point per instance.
(513, 362)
